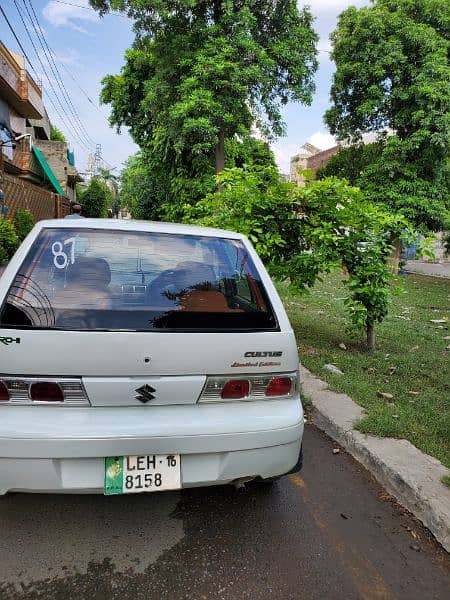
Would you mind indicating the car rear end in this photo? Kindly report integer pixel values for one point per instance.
(143, 357)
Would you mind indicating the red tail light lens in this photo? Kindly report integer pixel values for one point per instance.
(4, 394)
(236, 389)
(279, 386)
(46, 392)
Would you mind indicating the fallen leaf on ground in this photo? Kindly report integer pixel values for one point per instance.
(371, 370)
(446, 337)
(342, 346)
(385, 395)
(444, 320)
(413, 393)
(392, 370)
(414, 348)
(336, 450)
(448, 347)
(396, 416)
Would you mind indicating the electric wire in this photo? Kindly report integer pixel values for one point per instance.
(35, 72)
(56, 73)
(18, 41)
(66, 118)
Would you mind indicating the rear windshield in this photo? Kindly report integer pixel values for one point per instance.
(91, 279)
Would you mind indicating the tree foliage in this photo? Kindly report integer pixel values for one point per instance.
(137, 189)
(351, 162)
(201, 72)
(301, 233)
(95, 199)
(56, 135)
(9, 240)
(23, 223)
(392, 72)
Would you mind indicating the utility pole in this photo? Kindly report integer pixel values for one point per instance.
(98, 160)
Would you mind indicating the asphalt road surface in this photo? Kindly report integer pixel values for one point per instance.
(329, 533)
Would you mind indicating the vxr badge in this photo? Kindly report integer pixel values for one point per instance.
(145, 393)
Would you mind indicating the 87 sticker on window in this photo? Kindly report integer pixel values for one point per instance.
(145, 473)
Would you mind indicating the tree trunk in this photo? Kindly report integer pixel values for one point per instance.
(370, 330)
(394, 258)
(220, 150)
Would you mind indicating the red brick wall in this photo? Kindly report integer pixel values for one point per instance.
(321, 158)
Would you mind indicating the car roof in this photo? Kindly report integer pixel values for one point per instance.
(133, 225)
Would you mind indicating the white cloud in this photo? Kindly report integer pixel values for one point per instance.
(320, 7)
(283, 152)
(67, 15)
(322, 140)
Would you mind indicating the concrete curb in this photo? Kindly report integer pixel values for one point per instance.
(412, 477)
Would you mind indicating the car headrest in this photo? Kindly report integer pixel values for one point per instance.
(89, 272)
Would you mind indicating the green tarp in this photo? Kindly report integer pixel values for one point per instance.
(48, 171)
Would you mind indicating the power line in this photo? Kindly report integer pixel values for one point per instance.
(115, 13)
(18, 41)
(54, 68)
(70, 127)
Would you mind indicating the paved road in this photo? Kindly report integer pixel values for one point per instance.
(330, 534)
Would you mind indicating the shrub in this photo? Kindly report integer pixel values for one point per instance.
(95, 199)
(23, 223)
(9, 241)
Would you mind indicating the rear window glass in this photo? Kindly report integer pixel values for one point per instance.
(91, 279)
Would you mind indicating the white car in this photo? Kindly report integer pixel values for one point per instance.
(138, 356)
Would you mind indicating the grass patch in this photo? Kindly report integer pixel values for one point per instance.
(411, 361)
(446, 480)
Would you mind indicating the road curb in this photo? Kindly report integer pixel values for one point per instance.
(412, 477)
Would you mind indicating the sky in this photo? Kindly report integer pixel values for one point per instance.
(87, 47)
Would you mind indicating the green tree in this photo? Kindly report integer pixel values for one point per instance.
(248, 151)
(9, 240)
(201, 72)
(23, 223)
(56, 135)
(112, 183)
(392, 72)
(95, 199)
(303, 232)
(351, 162)
(138, 190)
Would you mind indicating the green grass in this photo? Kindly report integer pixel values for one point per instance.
(411, 357)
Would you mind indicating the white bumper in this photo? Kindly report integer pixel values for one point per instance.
(58, 449)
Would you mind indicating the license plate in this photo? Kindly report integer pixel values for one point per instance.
(149, 473)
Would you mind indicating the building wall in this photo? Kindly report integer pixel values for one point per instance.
(316, 161)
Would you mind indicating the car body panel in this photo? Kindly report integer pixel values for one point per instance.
(62, 449)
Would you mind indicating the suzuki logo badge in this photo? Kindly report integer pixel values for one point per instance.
(145, 393)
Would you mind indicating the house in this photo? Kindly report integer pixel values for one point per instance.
(309, 158)
(36, 173)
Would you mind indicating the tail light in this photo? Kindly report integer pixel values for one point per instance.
(4, 394)
(46, 391)
(42, 390)
(279, 386)
(235, 389)
(249, 387)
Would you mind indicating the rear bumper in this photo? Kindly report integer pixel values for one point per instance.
(62, 450)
